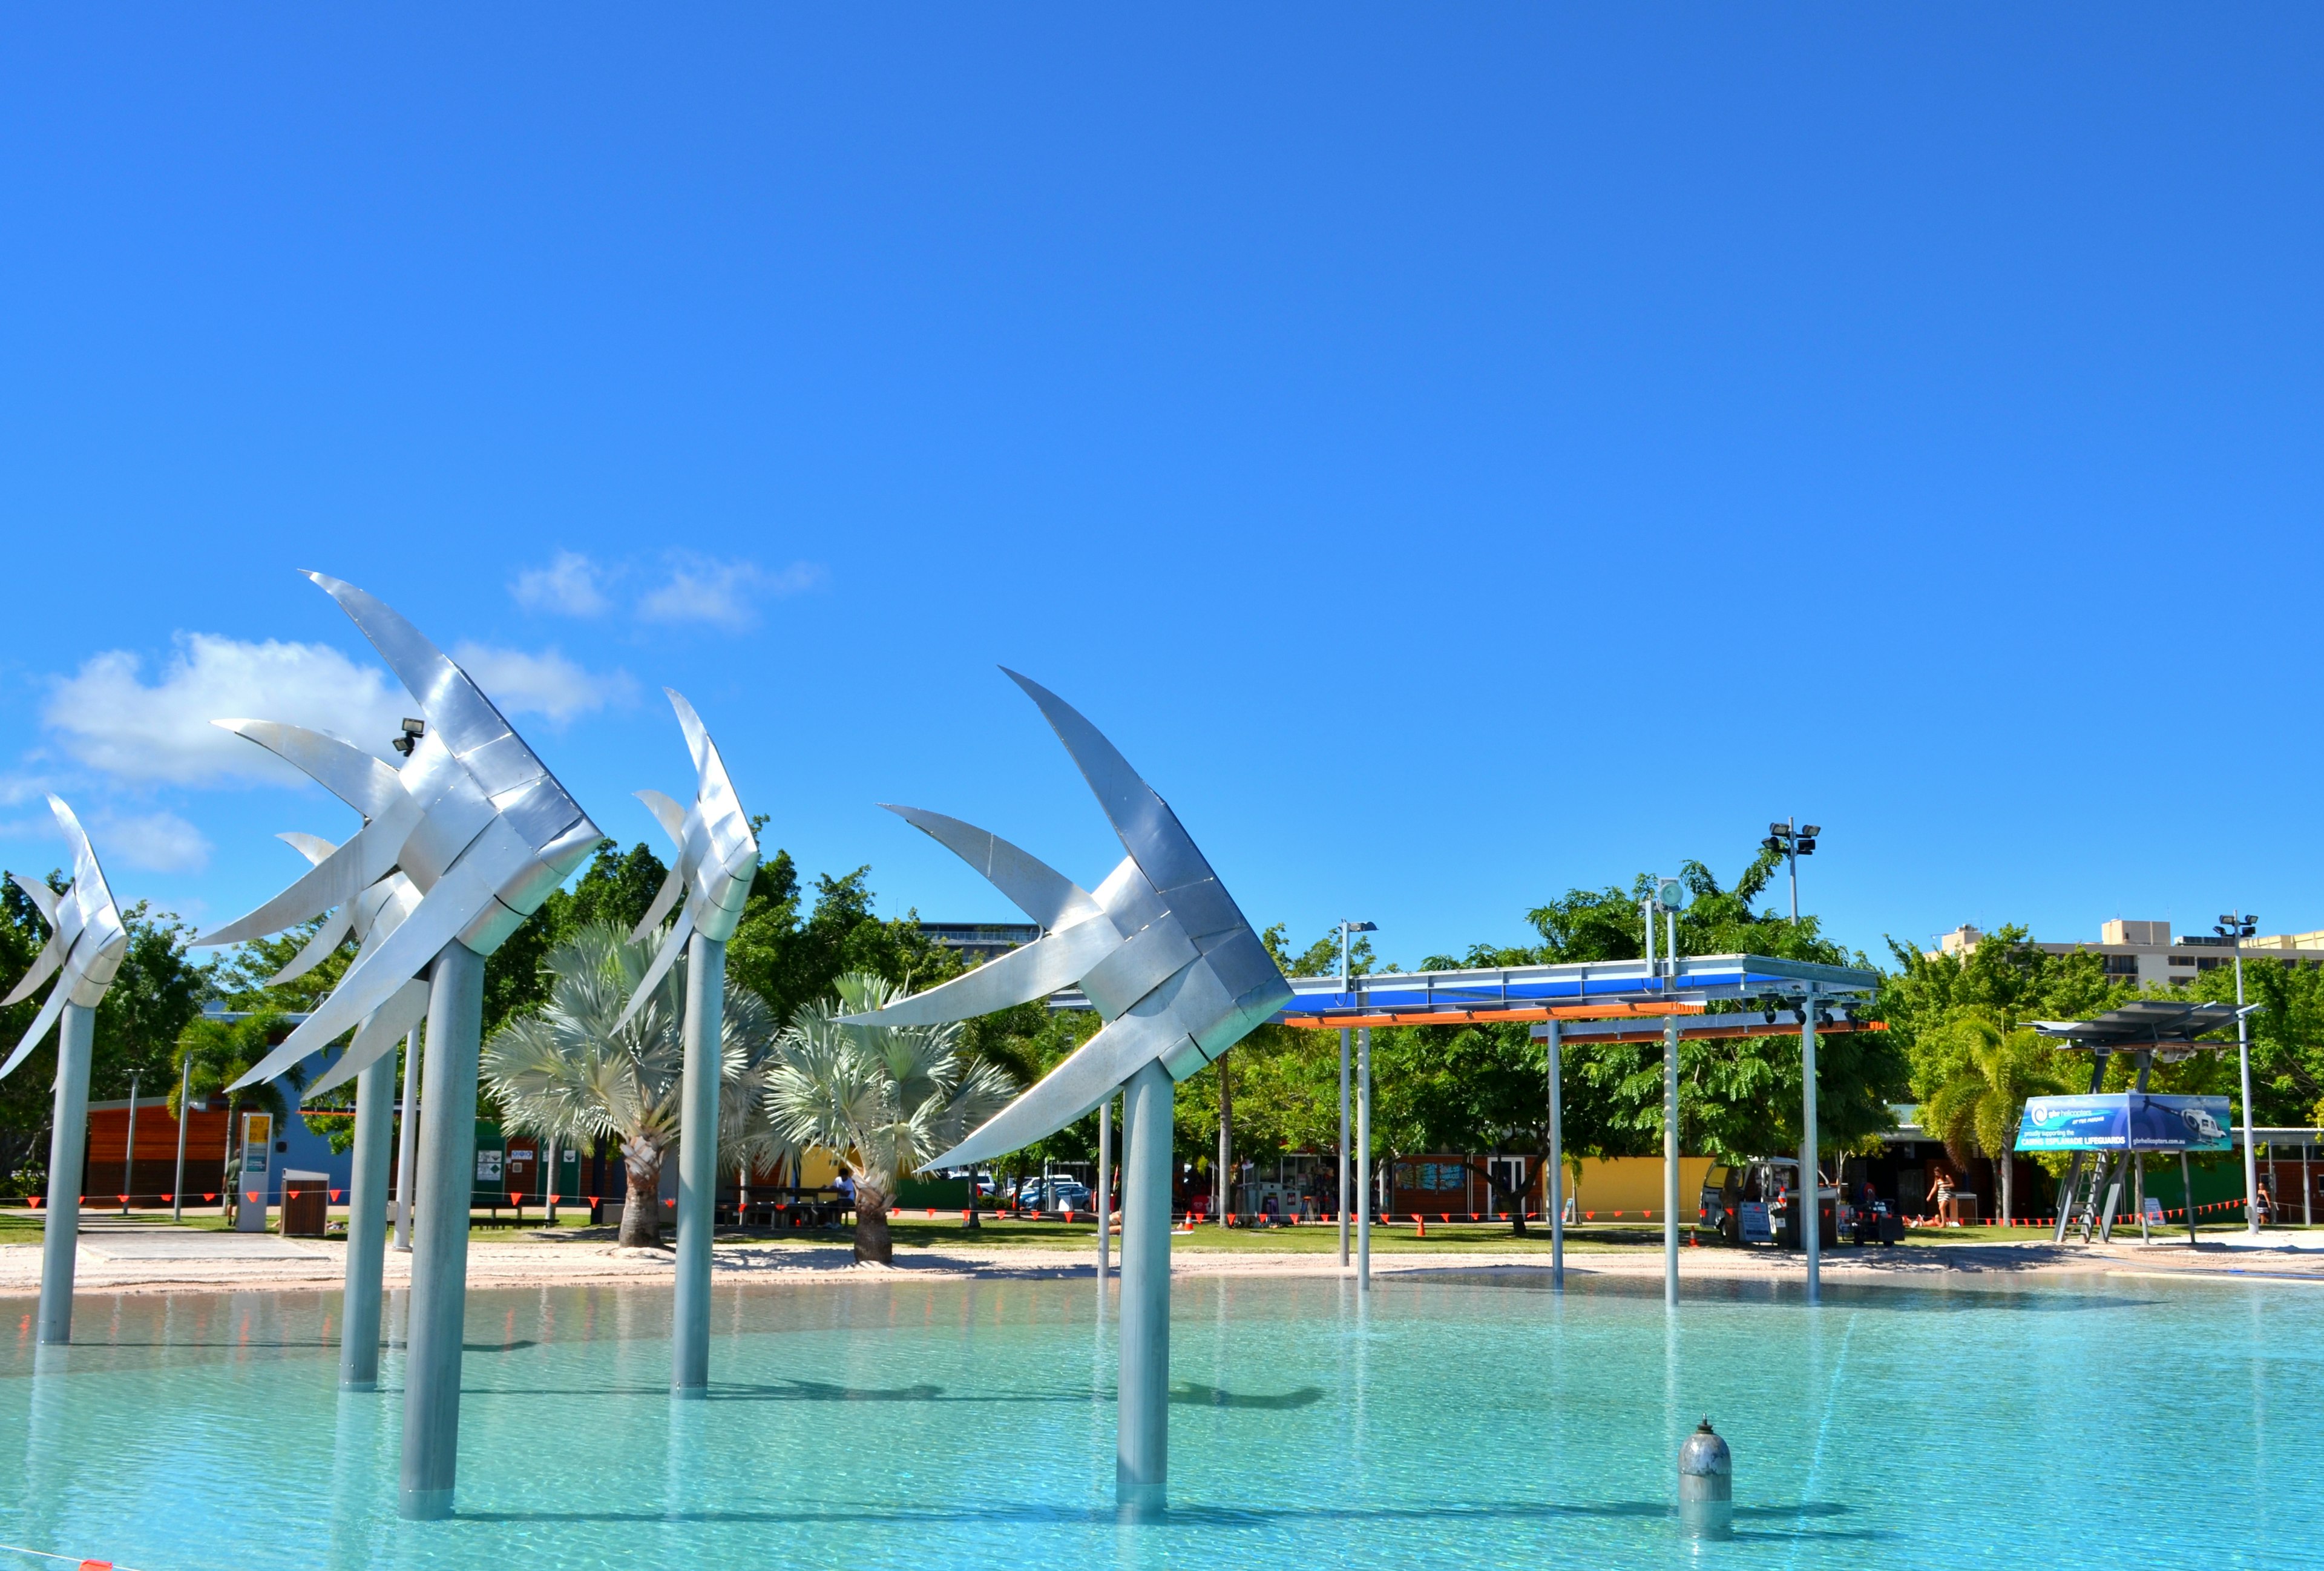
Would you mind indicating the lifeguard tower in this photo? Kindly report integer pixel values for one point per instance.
(2117, 1131)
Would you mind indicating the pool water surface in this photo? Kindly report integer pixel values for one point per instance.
(1460, 1419)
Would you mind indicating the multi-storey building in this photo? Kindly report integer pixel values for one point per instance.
(2146, 954)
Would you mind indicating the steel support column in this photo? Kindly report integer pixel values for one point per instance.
(367, 1228)
(1364, 1149)
(68, 1148)
(1670, 1159)
(697, 1164)
(446, 1165)
(1811, 1196)
(1553, 1189)
(1344, 1148)
(1141, 1468)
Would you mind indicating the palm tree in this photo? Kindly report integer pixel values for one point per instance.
(213, 1054)
(563, 1072)
(884, 1098)
(1979, 1103)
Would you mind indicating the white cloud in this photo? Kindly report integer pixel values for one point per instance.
(724, 593)
(155, 842)
(547, 684)
(570, 586)
(107, 717)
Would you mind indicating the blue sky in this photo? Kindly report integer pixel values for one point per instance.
(1456, 455)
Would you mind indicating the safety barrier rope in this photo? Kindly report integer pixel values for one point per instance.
(2120, 1217)
(84, 1563)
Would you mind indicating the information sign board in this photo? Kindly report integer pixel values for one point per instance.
(2126, 1120)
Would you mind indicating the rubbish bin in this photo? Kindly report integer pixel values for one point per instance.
(306, 1204)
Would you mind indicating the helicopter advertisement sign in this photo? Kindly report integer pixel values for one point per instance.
(2126, 1120)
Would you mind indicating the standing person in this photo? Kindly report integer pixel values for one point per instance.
(1941, 1190)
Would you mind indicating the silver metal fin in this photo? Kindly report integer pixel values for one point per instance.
(337, 879)
(672, 887)
(664, 958)
(1019, 976)
(1071, 1089)
(1149, 830)
(666, 813)
(455, 707)
(327, 938)
(43, 898)
(45, 965)
(384, 1026)
(313, 847)
(41, 1022)
(345, 770)
(1031, 884)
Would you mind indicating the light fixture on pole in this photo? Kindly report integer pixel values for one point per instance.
(2235, 927)
(1668, 898)
(1791, 840)
(1345, 930)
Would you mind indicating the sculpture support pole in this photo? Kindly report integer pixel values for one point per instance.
(1142, 1447)
(440, 1257)
(68, 1145)
(367, 1230)
(1105, 1193)
(697, 1164)
(407, 1140)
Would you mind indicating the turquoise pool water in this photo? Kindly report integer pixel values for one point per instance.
(1461, 1421)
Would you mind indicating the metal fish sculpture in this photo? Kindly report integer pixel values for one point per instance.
(86, 938)
(1160, 948)
(472, 819)
(370, 917)
(717, 857)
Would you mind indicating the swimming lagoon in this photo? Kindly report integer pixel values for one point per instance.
(1470, 1420)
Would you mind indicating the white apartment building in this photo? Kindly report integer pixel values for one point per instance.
(2146, 954)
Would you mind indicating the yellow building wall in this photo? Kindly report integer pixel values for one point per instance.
(1634, 1184)
(817, 1168)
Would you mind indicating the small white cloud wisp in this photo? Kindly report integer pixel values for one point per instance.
(547, 684)
(571, 585)
(724, 594)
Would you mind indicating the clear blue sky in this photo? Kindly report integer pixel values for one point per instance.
(1456, 453)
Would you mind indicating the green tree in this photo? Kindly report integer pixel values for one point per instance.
(211, 1053)
(563, 1072)
(1992, 1070)
(885, 1099)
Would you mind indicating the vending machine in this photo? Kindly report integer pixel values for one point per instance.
(254, 1187)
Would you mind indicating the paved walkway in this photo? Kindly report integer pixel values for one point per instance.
(134, 1257)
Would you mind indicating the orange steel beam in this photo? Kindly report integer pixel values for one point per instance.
(1654, 1033)
(1316, 1022)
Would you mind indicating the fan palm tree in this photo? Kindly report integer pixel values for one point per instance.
(213, 1054)
(1979, 1103)
(882, 1098)
(563, 1072)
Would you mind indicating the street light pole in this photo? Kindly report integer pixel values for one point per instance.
(178, 1190)
(1346, 928)
(129, 1152)
(2235, 927)
(1791, 840)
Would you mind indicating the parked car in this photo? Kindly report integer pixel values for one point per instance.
(1055, 1194)
(1760, 1211)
